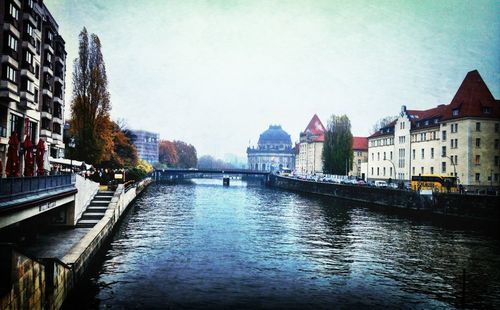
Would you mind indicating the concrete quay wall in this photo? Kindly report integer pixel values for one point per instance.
(32, 283)
(474, 207)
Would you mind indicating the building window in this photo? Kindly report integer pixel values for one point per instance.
(478, 142)
(497, 143)
(454, 159)
(413, 154)
(421, 170)
(384, 171)
(12, 43)
(14, 12)
(443, 167)
(413, 170)
(432, 153)
(496, 177)
(432, 170)
(385, 157)
(455, 112)
(378, 171)
(373, 156)
(478, 126)
(443, 151)
(378, 155)
(29, 30)
(372, 170)
(423, 153)
(10, 73)
(390, 155)
(497, 127)
(478, 160)
(390, 172)
(496, 161)
(478, 177)
(443, 135)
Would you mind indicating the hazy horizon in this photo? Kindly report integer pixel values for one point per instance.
(216, 74)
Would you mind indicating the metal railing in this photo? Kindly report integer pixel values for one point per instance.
(12, 188)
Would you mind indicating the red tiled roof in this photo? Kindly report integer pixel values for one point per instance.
(315, 129)
(359, 143)
(472, 99)
(378, 133)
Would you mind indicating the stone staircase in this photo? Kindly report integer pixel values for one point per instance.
(96, 209)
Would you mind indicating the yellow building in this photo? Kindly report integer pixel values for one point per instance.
(458, 139)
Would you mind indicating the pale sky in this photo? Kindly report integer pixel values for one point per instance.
(217, 73)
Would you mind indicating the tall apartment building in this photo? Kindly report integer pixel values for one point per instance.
(32, 75)
(147, 144)
(458, 139)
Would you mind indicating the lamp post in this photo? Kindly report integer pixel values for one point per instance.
(71, 145)
(454, 165)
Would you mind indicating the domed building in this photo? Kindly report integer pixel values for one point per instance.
(274, 151)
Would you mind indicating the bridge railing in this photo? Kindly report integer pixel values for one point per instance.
(13, 188)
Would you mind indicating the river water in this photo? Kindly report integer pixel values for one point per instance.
(246, 246)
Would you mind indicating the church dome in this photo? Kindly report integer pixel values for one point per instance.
(275, 135)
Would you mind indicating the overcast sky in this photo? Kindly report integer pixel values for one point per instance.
(217, 73)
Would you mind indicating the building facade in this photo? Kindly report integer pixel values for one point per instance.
(309, 160)
(360, 156)
(458, 139)
(274, 151)
(147, 144)
(32, 75)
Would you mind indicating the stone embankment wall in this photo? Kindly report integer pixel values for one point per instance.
(29, 283)
(483, 208)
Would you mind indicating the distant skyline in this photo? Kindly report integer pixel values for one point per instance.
(217, 73)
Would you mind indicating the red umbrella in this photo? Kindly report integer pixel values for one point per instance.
(40, 151)
(12, 167)
(28, 157)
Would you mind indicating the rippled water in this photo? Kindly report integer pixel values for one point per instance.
(207, 246)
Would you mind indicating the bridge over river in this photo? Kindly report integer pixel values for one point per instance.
(178, 174)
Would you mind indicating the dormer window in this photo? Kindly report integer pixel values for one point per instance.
(455, 112)
(418, 124)
(486, 110)
(435, 121)
(426, 123)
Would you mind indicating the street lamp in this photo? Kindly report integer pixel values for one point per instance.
(71, 145)
(454, 165)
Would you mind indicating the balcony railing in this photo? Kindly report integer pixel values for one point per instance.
(27, 65)
(8, 51)
(14, 188)
(29, 39)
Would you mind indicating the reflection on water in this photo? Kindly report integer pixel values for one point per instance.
(208, 246)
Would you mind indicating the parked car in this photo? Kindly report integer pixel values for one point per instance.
(380, 183)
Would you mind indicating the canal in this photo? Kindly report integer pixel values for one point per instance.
(245, 246)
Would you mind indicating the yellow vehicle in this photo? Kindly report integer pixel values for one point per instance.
(436, 183)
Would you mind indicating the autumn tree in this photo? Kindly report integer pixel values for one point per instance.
(337, 150)
(186, 153)
(90, 123)
(168, 153)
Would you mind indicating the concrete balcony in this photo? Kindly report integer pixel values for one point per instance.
(47, 92)
(57, 119)
(58, 80)
(46, 114)
(46, 134)
(17, 2)
(56, 137)
(47, 69)
(48, 47)
(29, 16)
(29, 74)
(58, 100)
(27, 101)
(29, 44)
(10, 27)
(9, 91)
(60, 60)
(10, 60)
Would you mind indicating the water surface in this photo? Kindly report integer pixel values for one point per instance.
(209, 246)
